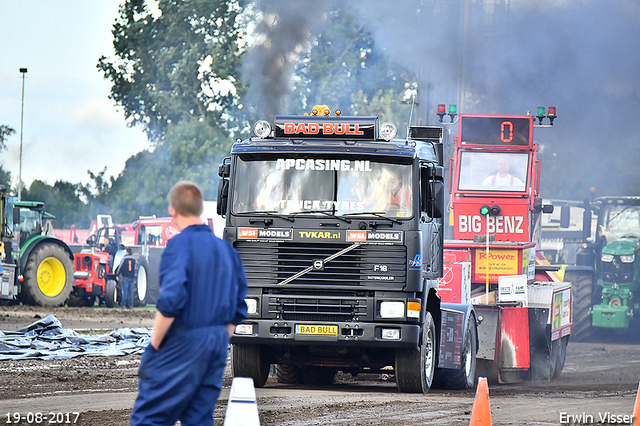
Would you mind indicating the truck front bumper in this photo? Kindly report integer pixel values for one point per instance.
(354, 334)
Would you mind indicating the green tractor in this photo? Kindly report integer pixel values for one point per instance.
(36, 269)
(606, 278)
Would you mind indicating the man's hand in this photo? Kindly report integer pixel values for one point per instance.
(160, 328)
(231, 328)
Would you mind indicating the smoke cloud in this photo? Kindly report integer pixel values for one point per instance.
(497, 57)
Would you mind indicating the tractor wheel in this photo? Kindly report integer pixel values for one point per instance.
(318, 376)
(465, 377)
(111, 294)
(48, 276)
(247, 361)
(415, 368)
(141, 283)
(288, 374)
(581, 291)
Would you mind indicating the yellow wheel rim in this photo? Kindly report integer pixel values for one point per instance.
(51, 277)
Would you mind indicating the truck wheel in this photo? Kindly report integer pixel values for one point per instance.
(415, 368)
(561, 354)
(465, 377)
(141, 283)
(288, 374)
(110, 294)
(48, 276)
(581, 291)
(248, 361)
(318, 376)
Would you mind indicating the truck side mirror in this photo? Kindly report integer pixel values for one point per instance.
(224, 169)
(16, 215)
(432, 186)
(223, 195)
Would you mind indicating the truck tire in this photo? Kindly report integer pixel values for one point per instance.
(581, 294)
(110, 294)
(465, 377)
(247, 361)
(48, 276)
(415, 368)
(141, 283)
(288, 374)
(561, 355)
(318, 376)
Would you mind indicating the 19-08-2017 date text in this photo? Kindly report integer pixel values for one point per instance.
(42, 418)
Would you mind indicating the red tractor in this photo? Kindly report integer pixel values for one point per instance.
(95, 271)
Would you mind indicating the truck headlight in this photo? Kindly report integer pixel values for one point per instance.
(252, 306)
(607, 257)
(628, 258)
(390, 334)
(392, 310)
(244, 329)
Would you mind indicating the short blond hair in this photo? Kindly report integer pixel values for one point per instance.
(186, 198)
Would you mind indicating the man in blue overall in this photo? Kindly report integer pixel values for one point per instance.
(202, 291)
(127, 271)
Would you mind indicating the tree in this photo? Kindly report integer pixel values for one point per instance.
(5, 132)
(346, 70)
(61, 200)
(179, 63)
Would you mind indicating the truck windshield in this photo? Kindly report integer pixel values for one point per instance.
(495, 171)
(317, 186)
(621, 221)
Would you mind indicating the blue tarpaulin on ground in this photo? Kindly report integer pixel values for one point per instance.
(46, 339)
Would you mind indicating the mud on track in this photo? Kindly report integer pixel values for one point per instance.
(599, 377)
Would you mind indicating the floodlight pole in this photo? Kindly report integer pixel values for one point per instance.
(23, 71)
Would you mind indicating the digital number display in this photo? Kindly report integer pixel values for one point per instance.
(495, 131)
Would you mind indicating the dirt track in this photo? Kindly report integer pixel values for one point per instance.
(599, 377)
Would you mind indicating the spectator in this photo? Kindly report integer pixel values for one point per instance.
(202, 291)
(127, 272)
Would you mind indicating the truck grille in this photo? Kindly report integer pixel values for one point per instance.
(368, 266)
(308, 308)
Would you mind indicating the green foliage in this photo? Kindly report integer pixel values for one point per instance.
(5, 176)
(5, 132)
(160, 74)
(61, 200)
(178, 74)
(346, 70)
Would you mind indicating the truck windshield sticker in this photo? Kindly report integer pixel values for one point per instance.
(481, 171)
(323, 164)
(322, 186)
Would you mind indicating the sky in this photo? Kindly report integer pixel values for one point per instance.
(69, 123)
